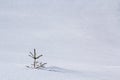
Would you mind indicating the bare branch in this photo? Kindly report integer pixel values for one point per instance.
(43, 65)
(34, 52)
(39, 56)
(31, 54)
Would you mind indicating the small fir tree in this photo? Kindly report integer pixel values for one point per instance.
(36, 64)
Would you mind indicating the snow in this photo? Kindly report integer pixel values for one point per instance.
(79, 39)
(11, 71)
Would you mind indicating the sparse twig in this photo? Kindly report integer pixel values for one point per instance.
(36, 64)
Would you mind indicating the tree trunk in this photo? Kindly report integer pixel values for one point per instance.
(34, 63)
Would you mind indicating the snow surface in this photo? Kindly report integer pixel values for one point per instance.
(80, 39)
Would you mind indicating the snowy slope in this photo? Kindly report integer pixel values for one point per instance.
(81, 38)
(18, 71)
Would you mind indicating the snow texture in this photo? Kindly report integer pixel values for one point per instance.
(79, 39)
